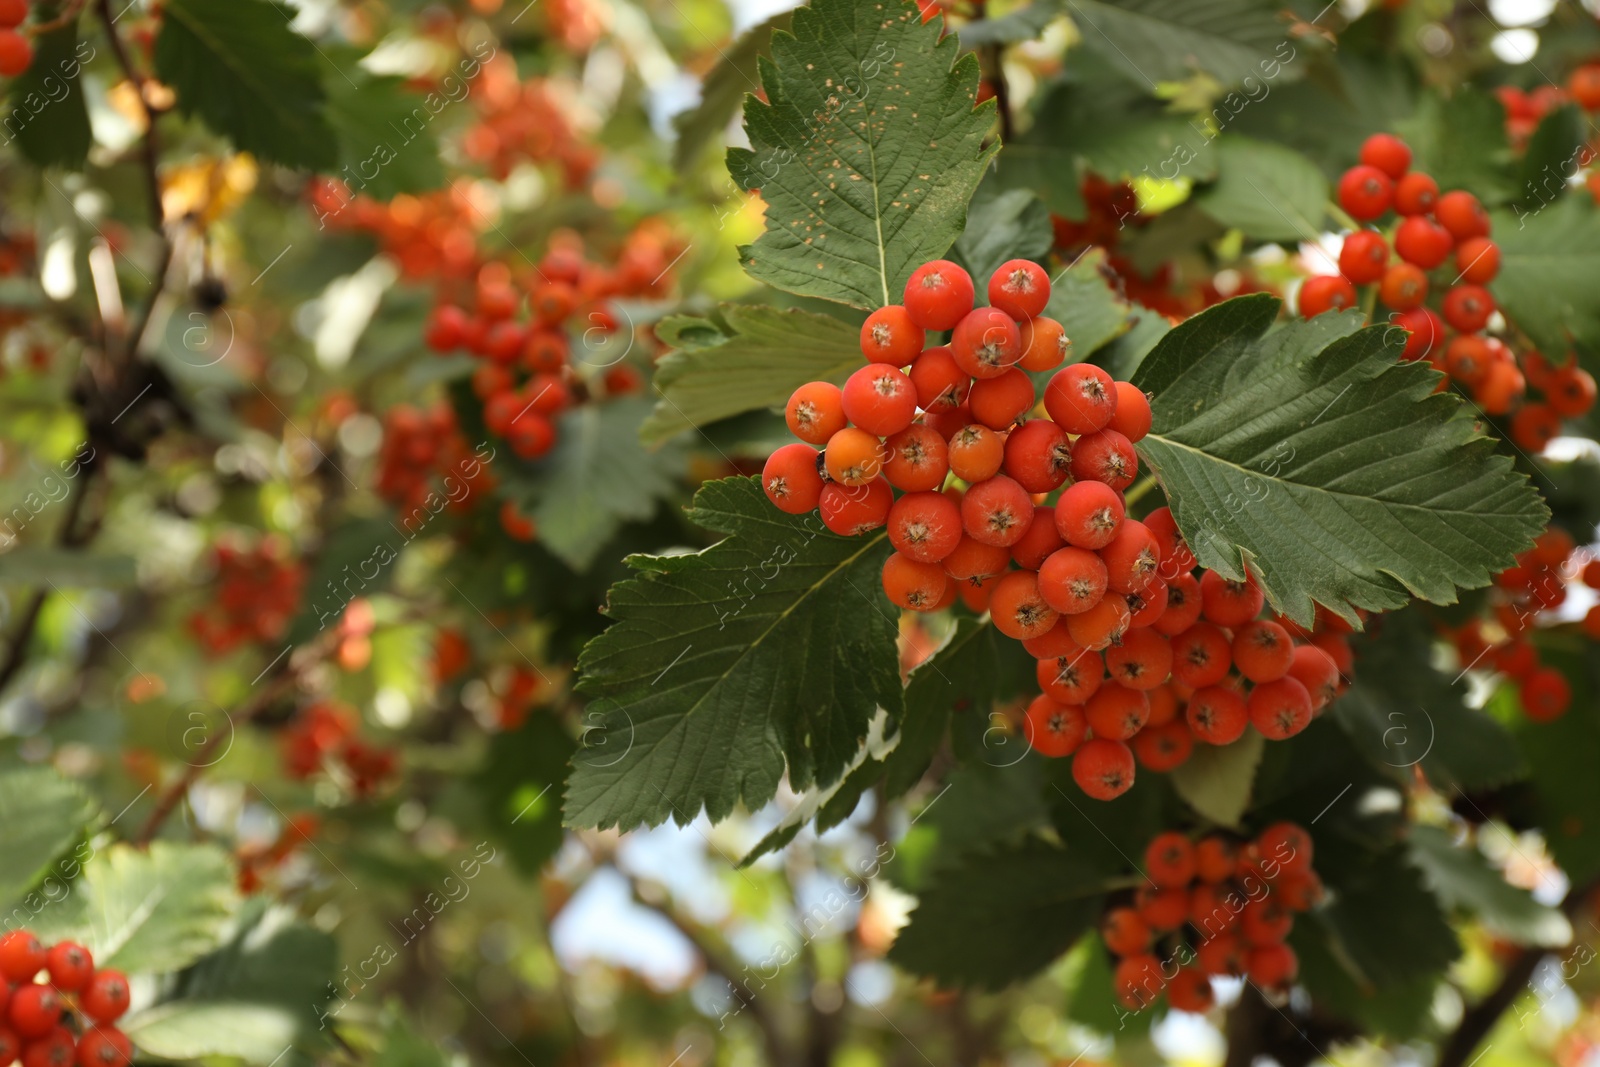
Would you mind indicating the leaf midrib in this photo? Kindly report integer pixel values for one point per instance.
(241, 71)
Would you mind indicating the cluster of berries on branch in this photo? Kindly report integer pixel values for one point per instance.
(57, 1008)
(323, 737)
(1439, 250)
(422, 447)
(1209, 909)
(257, 593)
(1026, 518)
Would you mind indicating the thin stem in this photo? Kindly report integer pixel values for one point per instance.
(1342, 217)
(1145, 484)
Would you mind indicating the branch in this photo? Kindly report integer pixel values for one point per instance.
(1480, 1019)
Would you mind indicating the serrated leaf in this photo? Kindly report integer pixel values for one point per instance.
(1386, 927)
(41, 815)
(1400, 1010)
(1401, 712)
(44, 109)
(1000, 915)
(1461, 142)
(1546, 255)
(698, 683)
(1092, 120)
(866, 154)
(1093, 313)
(1023, 24)
(1168, 40)
(1337, 474)
(598, 476)
(1555, 153)
(387, 145)
(722, 90)
(1217, 781)
(1463, 878)
(1009, 224)
(253, 999)
(980, 805)
(239, 67)
(148, 912)
(1268, 192)
(748, 358)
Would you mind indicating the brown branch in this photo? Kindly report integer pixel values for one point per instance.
(1002, 91)
(1479, 1020)
(69, 13)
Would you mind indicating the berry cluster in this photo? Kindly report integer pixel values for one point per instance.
(1095, 592)
(1536, 584)
(1447, 234)
(323, 736)
(16, 54)
(1214, 908)
(527, 120)
(256, 860)
(57, 1009)
(258, 592)
(419, 449)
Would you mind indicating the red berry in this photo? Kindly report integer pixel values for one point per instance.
(1116, 712)
(1054, 730)
(941, 383)
(1176, 556)
(998, 402)
(1584, 85)
(1131, 558)
(1183, 605)
(1467, 307)
(13, 13)
(917, 459)
(1570, 391)
(1215, 859)
(854, 457)
(36, 1010)
(925, 526)
(446, 326)
(938, 294)
(1272, 966)
(1045, 344)
(913, 585)
(16, 54)
(1388, 153)
(1190, 990)
(106, 997)
(1132, 417)
(10, 1046)
(1217, 715)
(1201, 656)
(1142, 661)
(1104, 770)
(1163, 747)
(1364, 257)
(1424, 331)
(855, 509)
(1288, 846)
(997, 511)
(1088, 514)
(976, 453)
(1124, 932)
(1038, 455)
(1325, 292)
(1478, 260)
(1404, 286)
(791, 479)
(1265, 922)
(21, 956)
(1229, 603)
(1102, 625)
(1017, 608)
(1041, 540)
(1545, 695)
(1072, 580)
(1106, 457)
(880, 399)
(986, 343)
(1020, 288)
(104, 1046)
(55, 1049)
(815, 412)
(1081, 399)
(1460, 214)
(1415, 194)
(1071, 677)
(889, 336)
(971, 560)
(1365, 192)
(1262, 650)
(70, 965)
(1169, 860)
(1422, 242)
(1280, 708)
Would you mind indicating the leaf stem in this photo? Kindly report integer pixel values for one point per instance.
(1342, 217)
(1145, 484)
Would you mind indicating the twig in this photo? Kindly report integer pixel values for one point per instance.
(69, 13)
(1002, 91)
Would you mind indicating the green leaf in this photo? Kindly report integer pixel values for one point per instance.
(41, 815)
(44, 110)
(1399, 1010)
(598, 476)
(1401, 712)
(1555, 153)
(1268, 192)
(1546, 255)
(1168, 40)
(867, 153)
(387, 144)
(1092, 120)
(1121, 357)
(149, 912)
(1383, 923)
(253, 999)
(697, 683)
(521, 785)
(745, 358)
(357, 559)
(36, 564)
(239, 67)
(979, 805)
(722, 90)
(1463, 878)
(1023, 24)
(1093, 313)
(1001, 915)
(1217, 782)
(1461, 142)
(1333, 470)
(1006, 225)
